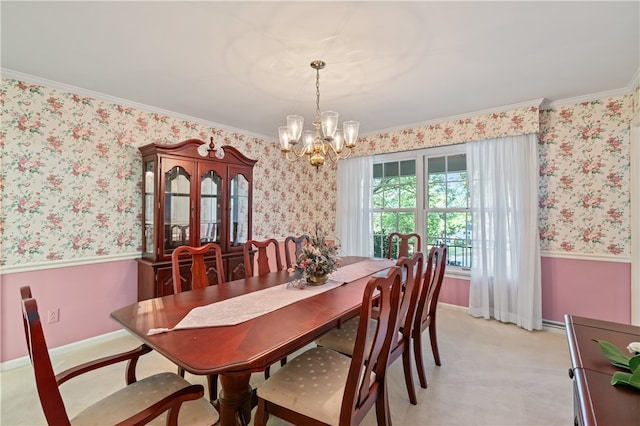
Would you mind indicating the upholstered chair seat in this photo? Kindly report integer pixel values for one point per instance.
(137, 396)
(320, 375)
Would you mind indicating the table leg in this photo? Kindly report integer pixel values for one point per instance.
(235, 399)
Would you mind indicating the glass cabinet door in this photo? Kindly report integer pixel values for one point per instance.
(176, 208)
(239, 211)
(210, 208)
(148, 245)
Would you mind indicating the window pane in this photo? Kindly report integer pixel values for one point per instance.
(378, 197)
(408, 168)
(457, 195)
(391, 169)
(457, 163)
(408, 192)
(392, 198)
(389, 222)
(406, 222)
(437, 196)
(435, 226)
(436, 165)
(377, 171)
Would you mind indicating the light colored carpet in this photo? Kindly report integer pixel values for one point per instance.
(491, 374)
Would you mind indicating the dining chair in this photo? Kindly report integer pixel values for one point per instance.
(261, 249)
(201, 274)
(324, 387)
(161, 399)
(427, 307)
(343, 339)
(402, 242)
(293, 245)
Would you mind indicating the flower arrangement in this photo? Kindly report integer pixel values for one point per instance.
(317, 259)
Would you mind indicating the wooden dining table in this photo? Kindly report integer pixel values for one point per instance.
(235, 352)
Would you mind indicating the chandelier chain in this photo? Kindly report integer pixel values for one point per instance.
(317, 93)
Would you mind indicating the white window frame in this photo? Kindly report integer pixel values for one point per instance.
(420, 156)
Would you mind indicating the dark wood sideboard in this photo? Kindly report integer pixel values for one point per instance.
(596, 401)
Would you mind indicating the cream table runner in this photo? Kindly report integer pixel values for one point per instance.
(251, 305)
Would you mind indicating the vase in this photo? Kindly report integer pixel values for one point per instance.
(317, 279)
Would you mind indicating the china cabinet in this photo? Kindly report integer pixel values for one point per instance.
(193, 194)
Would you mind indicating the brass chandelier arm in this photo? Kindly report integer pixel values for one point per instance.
(334, 155)
(296, 155)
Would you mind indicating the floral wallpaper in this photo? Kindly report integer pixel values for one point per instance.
(518, 121)
(71, 175)
(584, 198)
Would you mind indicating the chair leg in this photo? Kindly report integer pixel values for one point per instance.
(212, 382)
(266, 373)
(383, 414)
(261, 416)
(181, 372)
(283, 362)
(408, 377)
(434, 341)
(417, 354)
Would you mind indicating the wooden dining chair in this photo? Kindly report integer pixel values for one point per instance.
(260, 250)
(198, 274)
(293, 246)
(325, 387)
(427, 308)
(403, 242)
(161, 399)
(343, 339)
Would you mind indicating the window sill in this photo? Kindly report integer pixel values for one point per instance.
(457, 272)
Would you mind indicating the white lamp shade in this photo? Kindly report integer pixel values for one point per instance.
(329, 123)
(283, 134)
(338, 141)
(351, 129)
(308, 138)
(294, 124)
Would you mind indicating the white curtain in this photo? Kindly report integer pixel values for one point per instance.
(505, 274)
(353, 206)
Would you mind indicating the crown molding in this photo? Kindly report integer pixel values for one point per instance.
(16, 75)
(525, 104)
(627, 90)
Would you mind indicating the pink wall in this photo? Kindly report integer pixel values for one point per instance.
(455, 291)
(86, 295)
(586, 288)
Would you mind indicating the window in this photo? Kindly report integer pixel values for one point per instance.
(448, 217)
(394, 201)
(427, 192)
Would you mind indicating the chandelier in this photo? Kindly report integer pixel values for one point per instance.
(317, 146)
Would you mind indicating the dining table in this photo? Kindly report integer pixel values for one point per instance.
(234, 352)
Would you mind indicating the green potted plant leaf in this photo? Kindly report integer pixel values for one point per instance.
(620, 359)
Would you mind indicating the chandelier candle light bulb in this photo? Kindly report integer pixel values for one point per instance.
(317, 146)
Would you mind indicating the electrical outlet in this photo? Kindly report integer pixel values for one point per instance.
(54, 315)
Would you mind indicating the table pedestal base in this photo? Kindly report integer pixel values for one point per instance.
(235, 399)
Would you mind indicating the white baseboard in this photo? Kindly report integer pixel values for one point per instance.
(547, 325)
(61, 350)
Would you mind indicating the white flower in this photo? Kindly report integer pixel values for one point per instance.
(634, 347)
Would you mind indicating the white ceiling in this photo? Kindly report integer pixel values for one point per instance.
(245, 65)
